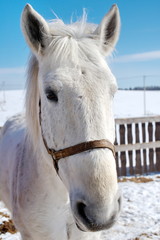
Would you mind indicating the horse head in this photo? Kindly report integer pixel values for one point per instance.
(76, 87)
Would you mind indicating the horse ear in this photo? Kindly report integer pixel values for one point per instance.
(35, 29)
(108, 30)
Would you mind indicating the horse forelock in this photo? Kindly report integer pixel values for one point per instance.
(76, 29)
(73, 42)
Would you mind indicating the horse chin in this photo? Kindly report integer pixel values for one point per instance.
(94, 228)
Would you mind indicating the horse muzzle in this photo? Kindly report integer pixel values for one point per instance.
(90, 217)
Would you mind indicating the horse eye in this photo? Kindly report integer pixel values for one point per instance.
(51, 95)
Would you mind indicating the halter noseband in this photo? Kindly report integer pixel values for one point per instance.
(76, 149)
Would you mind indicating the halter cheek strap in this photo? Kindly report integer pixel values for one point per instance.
(76, 149)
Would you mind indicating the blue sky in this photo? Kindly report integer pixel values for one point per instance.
(137, 52)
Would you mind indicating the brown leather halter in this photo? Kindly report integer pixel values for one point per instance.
(76, 149)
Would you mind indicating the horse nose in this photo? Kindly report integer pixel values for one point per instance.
(89, 217)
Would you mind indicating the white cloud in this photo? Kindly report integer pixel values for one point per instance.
(138, 57)
(18, 70)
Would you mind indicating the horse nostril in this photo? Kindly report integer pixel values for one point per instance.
(81, 210)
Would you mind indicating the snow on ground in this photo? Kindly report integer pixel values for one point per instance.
(140, 216)
(4, 217)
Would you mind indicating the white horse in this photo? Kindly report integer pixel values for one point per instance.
(70, 90)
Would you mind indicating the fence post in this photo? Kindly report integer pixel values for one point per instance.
(138, 152)
(150, 133)
(157, 137)
(130, 153)
(122, 154)
(145, 169)
(116, 157)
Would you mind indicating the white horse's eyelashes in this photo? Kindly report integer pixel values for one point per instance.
(69, 98)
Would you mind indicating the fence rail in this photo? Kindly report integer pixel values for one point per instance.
(137, 145)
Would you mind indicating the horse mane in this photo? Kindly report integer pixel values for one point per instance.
(32, 100)
(63, 46)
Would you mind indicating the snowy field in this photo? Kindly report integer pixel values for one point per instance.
(140, 216)
(11, 102)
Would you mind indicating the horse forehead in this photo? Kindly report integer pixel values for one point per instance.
(70, 74)
(82, 81)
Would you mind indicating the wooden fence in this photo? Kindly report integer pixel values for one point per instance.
(138, 145)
